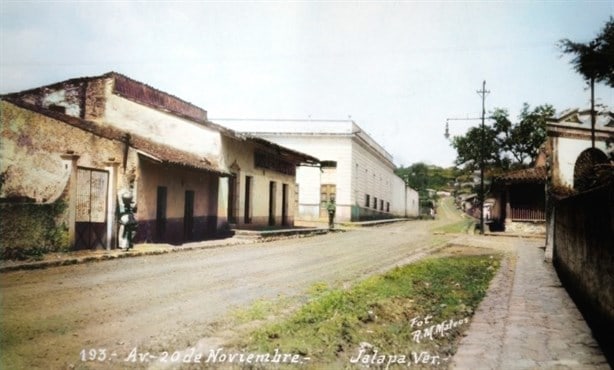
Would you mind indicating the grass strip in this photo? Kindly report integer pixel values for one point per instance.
(417, 311)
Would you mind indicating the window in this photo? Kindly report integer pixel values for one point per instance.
(374, 203)
(367, 200)
(381, 205)
(387, 206)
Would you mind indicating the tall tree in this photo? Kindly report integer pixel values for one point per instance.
(595, 59)
(506, 144)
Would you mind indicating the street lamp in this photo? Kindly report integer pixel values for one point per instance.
(446, 134)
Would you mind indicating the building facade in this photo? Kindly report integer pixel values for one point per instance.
(355, 172)
(571, 143)
(83, 141)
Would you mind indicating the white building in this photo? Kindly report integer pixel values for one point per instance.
(573, 156)
(356, 172)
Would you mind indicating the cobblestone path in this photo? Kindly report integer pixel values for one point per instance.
(527, 319)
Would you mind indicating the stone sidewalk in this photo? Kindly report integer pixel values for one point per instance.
(528, 320)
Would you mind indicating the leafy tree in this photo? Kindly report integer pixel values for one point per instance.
(421, 176)
(594, 60)
(506, 144)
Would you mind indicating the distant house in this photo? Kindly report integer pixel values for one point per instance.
(82, 141)
(355, 170)
(520, 200)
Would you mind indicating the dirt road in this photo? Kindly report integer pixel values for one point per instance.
(167, 302)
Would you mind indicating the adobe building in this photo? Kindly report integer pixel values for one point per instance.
(356, 172)
(80, 142)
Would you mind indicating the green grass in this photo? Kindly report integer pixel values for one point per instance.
(379, 311)
(460, 227)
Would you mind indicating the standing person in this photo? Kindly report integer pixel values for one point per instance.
(331, 208)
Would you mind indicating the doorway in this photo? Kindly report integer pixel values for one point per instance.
(91, 208)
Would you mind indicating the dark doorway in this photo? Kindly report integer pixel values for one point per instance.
(188, 216)
(247, 218)
(284, 205)
(161, 214)
(232, 199)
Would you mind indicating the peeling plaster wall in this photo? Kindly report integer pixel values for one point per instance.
(66, 96)
(31, 153)
(162, 127)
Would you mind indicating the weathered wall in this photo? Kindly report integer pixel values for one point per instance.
(28, 230)
(162, 127)
(583, 256)
(36, 169)
(238, 158)
(177, 181)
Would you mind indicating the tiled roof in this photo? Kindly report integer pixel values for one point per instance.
(159, 152)
(577, 118)
(535, 175)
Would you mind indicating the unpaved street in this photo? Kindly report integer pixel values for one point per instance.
(157, 302)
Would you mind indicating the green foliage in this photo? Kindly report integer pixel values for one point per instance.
(420, 177)
(595, 59)
(505, 144)
(28, 231)
(379, 310)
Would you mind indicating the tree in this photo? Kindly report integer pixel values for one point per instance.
(421, 176)
(594, 60)
(507, 145)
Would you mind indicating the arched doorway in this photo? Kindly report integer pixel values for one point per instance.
(584, 171)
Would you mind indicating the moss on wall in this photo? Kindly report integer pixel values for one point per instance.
(29, 230)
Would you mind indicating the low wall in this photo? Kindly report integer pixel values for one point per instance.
(583, 256)
(27, 230)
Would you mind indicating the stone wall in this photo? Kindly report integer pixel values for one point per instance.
(583, 256)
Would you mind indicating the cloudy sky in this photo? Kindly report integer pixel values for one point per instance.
(399, 69)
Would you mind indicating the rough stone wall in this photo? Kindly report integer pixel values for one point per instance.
(95, 99)
(584, 256)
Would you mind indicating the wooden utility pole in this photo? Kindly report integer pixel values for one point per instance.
(482, 93)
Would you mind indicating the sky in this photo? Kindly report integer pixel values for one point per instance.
(398, 69)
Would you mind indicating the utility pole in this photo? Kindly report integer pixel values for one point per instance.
(482, 93)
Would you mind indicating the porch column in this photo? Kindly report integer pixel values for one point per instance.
(112, 167)
(508, 207)
(70, 160)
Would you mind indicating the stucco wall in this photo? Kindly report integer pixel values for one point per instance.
(238, 158)
(566, 152)
(583, 256)
(32, 150)
(177, 181)
(374, 176)
(162, 127)
(35, 163)
(325, 148)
